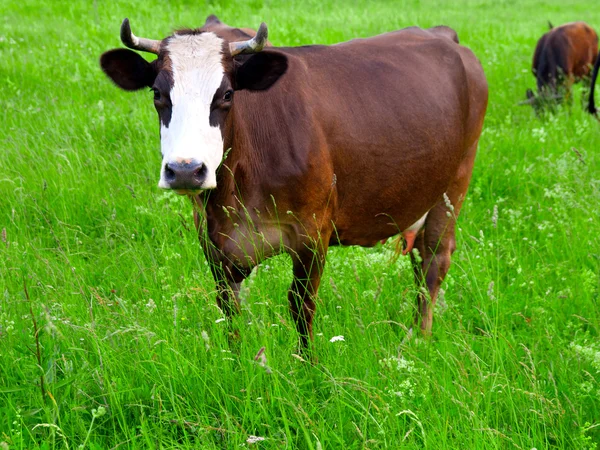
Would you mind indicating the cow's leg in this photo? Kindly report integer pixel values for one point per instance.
(568, 89)
(308, 264)
(586, 82)
(436, 243)
(228, 283)
(227, 279)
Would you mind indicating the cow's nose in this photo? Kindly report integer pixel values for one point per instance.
(185, 176)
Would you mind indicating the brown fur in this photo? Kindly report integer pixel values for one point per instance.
(356, 141)
(564, 55)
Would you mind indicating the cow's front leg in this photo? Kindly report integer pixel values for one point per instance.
(308, 267)
(228, 301)
(228, 281)
(228, 278)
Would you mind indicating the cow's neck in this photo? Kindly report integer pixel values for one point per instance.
(239, 221)
(231, 177)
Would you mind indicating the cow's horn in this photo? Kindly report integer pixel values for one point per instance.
(254, 45)
(132, 41)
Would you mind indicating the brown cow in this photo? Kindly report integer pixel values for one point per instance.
(297, 149)
(563, 56)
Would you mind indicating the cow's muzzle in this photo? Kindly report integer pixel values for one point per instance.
(186, 177)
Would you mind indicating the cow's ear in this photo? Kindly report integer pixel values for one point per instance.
(128, 69)
(259, 71)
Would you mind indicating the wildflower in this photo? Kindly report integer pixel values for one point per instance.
(96, 413)
(254, 439)
(151, 305)
(206, 339)
(336, 339)
(590, 353)
(490, 291)
(222, 319)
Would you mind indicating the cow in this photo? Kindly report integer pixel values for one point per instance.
(563, 56)
(296, 149)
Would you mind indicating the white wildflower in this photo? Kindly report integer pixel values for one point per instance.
(589, 353)
(336, 339)
(151, 305)
(490, 291)
(206, 339)
(254, 439)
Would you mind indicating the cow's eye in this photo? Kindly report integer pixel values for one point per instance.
(156, 94)
(228, 96)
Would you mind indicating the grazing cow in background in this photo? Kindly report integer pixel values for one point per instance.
(591, 107)
(297, 149)
(563, 56)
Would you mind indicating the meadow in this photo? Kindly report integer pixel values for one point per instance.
(110, 336)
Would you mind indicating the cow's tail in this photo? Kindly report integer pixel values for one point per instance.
(591, 107)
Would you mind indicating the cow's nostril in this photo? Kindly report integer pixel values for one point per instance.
(169, 173)
(200, 172)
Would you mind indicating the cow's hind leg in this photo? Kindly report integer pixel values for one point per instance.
(436, 243)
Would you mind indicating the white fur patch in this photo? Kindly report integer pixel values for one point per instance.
(418, 224)
(197, 74)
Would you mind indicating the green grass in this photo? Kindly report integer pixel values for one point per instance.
(125, 303)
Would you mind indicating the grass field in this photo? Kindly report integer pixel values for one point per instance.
(132, 350)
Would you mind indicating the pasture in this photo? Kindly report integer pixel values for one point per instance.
(110, 336)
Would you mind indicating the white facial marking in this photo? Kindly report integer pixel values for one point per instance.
(197, 74)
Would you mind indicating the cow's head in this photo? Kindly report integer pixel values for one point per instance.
(544, 100)
(193, 81)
